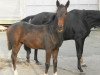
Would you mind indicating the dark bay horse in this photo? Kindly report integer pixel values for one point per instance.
(48, 37)
(78, 27)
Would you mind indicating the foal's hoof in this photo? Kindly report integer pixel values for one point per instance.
(38, 63)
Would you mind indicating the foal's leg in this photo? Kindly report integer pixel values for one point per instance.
(79, 48)
(28, 50)
(35, 56)
(55, 55)
(15, 51)
(47, 64)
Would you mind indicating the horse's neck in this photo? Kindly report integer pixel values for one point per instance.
(55, 35)
(53, 29)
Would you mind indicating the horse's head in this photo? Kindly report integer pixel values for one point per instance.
(61, 14)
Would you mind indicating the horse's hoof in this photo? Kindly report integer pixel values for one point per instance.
(84, 65)
(15, 72)
(45, 74)
(28, 61)
(81, 70)
(55, 73)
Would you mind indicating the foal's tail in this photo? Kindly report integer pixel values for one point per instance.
(9, 39)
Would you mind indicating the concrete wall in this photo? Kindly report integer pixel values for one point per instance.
(13, 10)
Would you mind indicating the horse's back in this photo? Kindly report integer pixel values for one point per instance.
(42, 18)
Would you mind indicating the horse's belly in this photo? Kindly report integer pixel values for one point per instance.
(36, 43)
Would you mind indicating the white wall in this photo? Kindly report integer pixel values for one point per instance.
(18, 9)
(9, 9)
(34, 7)
(98, 4)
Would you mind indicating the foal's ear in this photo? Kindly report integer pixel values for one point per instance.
(67, 4)
(57, 3)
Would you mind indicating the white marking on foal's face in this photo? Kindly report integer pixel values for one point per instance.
(15, 72)
(55, 73)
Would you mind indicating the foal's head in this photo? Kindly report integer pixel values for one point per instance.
(61, 14)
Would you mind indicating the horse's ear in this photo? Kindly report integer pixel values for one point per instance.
(67, 4)
(57, 3)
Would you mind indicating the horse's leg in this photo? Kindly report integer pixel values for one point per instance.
(79, 48)
(47, 64)
(55, 55)
(28, 50)
(35, 56)
(15, 51)
(82, 62)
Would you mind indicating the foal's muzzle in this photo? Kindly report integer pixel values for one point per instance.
(60, 29)
(61, 24)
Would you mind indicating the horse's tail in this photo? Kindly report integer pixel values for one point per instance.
(9, 45)
(9, 40)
